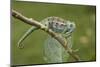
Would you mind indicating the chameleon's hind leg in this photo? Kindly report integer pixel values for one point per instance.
(32, 29)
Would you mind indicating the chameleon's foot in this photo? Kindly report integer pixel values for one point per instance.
(76, 50)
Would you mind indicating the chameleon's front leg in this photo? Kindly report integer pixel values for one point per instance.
(32, 29)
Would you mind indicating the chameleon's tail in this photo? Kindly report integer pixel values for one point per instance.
(32, 29)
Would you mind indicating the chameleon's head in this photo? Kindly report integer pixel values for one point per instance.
(70, 26)
(59, 25)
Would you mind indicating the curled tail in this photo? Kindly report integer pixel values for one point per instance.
(32, 29)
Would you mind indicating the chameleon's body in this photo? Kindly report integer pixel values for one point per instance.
(53, 51)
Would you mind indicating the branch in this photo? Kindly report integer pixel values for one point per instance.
(32, 22)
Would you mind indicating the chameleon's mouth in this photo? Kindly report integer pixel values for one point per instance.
(67, 30)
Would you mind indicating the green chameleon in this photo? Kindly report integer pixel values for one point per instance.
(53, 50)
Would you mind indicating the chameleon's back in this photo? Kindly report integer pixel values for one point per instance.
(55, 23)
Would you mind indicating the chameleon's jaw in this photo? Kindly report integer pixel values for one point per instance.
(59, 25)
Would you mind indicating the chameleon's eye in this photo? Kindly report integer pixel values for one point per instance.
(71, 25)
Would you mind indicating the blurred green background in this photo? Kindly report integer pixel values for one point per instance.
(84, 37)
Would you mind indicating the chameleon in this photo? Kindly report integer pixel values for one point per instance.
(53, 51)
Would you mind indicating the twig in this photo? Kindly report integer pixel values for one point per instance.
(44, 28)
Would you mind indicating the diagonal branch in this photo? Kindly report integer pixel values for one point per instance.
(32, 22)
